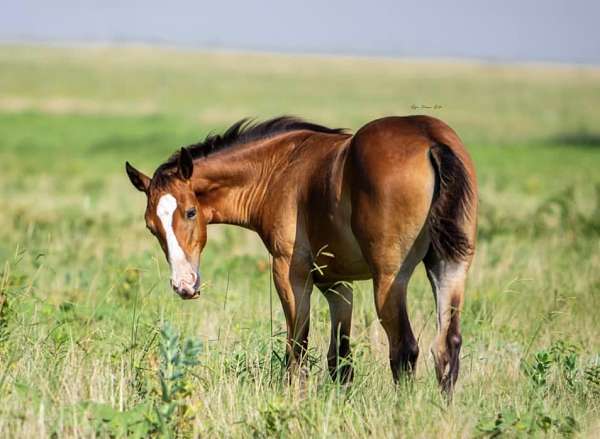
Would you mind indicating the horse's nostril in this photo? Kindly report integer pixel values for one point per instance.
(177, 287)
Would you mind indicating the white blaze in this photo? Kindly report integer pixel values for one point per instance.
(181, 270)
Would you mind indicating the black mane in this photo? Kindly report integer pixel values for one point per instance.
(245, 131)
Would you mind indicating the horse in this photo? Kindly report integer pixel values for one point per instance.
(373, 205)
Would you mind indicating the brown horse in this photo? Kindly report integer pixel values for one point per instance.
(400, 191)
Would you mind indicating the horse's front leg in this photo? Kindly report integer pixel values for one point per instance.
(293, 281)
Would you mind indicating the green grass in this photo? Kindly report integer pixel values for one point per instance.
(84, 287)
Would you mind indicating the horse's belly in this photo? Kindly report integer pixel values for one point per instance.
(338, 256)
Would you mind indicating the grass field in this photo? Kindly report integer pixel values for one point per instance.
(88, 324)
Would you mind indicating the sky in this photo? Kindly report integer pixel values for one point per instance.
(509, 30)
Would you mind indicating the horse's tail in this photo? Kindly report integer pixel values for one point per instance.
(451, 204)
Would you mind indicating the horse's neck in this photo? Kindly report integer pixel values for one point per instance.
(232, 185)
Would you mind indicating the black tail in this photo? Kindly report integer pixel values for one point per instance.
(450, 207)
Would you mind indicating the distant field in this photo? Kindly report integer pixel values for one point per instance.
(83, 286)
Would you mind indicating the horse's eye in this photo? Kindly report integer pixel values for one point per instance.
(190, 213)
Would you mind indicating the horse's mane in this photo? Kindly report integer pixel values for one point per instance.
(246, 131)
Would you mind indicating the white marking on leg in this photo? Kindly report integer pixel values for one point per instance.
(181, 270)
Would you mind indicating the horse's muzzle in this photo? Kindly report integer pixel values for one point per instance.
(187, 290)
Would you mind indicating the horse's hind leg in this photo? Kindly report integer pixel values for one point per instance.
(392, 265)
(447, 280)
(339, 357)
(393, 242)
(390, 302)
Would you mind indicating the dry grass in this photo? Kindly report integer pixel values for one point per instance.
(84, 285)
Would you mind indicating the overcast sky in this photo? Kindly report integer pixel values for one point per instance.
(551, 30)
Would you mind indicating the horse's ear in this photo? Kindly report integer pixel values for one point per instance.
(139, 180)
(185, 164)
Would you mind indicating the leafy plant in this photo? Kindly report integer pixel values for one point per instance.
(562, 358)
(592, 378)
(275, 418)
(510, 422)
(137, 422)
(552, 369)
(566, 358)
(159, 416)
(538, 369)
(176, 361)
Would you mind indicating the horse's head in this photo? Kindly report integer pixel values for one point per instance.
(174, 216)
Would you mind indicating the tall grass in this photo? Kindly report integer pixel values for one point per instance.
(83, 286)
